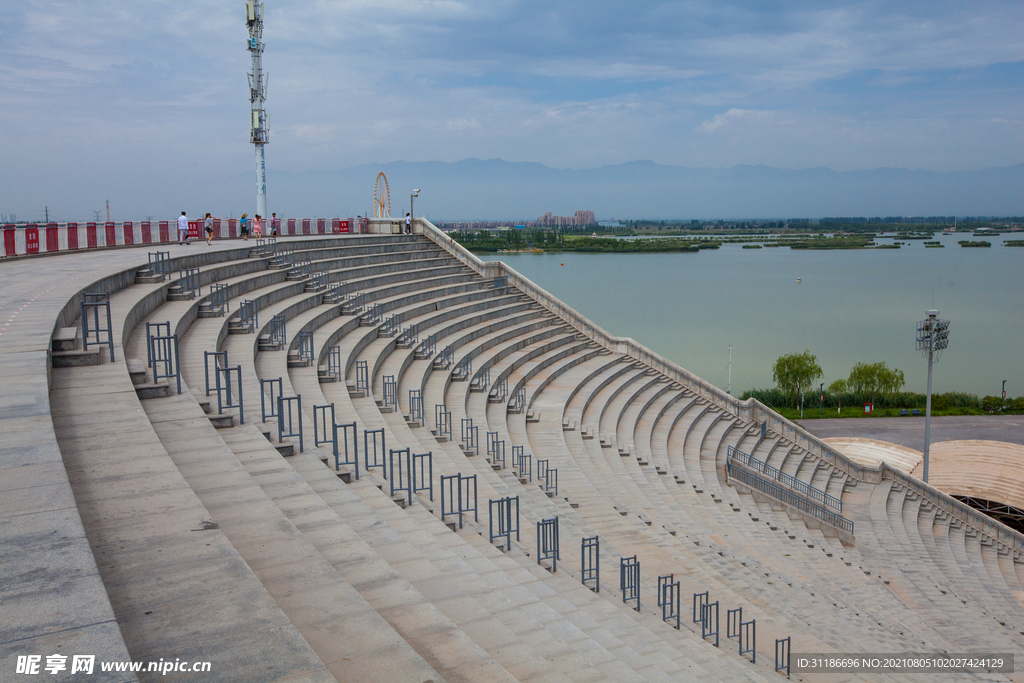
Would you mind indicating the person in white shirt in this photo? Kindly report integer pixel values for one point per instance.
(408, 224)
(183, 229)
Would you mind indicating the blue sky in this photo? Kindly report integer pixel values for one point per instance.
(101, 95)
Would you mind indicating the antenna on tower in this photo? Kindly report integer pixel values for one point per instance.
(259, 133)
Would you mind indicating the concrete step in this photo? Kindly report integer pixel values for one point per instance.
(222, 421)
(78, 357)
(137, 371)
(148, 390)
(65, 339)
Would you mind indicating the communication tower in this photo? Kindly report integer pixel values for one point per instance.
(259, 132)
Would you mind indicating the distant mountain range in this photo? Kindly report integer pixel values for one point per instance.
(473, 189)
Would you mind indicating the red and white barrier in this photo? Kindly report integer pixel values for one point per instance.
(38, 238)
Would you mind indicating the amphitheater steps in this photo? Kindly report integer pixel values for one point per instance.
(347, 634)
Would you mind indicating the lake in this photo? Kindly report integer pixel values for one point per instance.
(850, 306)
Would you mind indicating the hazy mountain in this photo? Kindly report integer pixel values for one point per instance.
(498, 190)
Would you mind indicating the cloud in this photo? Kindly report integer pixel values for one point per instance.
(731, 116)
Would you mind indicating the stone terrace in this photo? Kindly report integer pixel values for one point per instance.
(143, 522)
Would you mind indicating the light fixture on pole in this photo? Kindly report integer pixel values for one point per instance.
(414, 195)
(932, 338)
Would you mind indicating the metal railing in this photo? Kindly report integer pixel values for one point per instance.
(220, 359)
(400, 477)
(271, 383)
(699, 600)
(482, 379)
(318, 281)
(163, 354)
(769, 486)
(783, 654)
(390, 391)
(500, 391)
(220, 302)
(453, 502)
(669, 599)
(335, 368)
(496, 449)
(590, 562)
(410, 336)
(323, 427)
(278, 334)
(428, 346)
(518, 402)
(188, 281)
(745, 631)
(306, 351)
(374, 448)
(547, 542)
(551, 481)
(629, 580)
(91, 305)
(155, 330)
(373, 315)
(709, 621)
(786, 479)
(351, 457)
(445, 358)
(421, 465)
(248, 314)
(463, 369)
(470, 435)
(289, 419)
(390, 326)
(415, 406)
(503, 519)
(160, 264)
(362, 376)
(229, 391)
(442, 420)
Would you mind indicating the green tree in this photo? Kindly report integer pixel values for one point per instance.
(794, 372)
(875, 378)
(839, 387)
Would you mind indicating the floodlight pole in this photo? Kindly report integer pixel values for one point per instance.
(258, 131)
(932, 336)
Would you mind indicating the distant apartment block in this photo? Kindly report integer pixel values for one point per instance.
(8, 218)
(582, 217)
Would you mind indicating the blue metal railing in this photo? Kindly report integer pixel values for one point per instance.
(155, 330)
(334, 364)
(229, 391)
(770, 487)
(429, 346)
(500, 392)
(160, 264)
(220, 359)
(289, 418)
(399, 475)
(248, 314)
(306, 352)
(271, 399)
(709, 621)
(323, 427)
(590, 562)
(163, 352)
(445, 358)
(220, 302)
(496, 449)
(518, 402)
(699, 600)
(421, 466)
(188, 281)
(668, 599)
(443, 420)
(786, 479)
(458, 497)
(415, 406)
(278, 334)
(782, 654)
(100, 333)
(374, 450)
(390, 391)
(503, 519)
(547, 542)
(350, 457)
(463, 369)
(362, 376)
(482, 379)
(629, 580)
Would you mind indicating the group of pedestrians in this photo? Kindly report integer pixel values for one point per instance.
(245, 226)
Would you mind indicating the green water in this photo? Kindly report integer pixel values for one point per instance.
(850, 306)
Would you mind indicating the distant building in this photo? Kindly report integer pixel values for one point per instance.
(582, 217)
(8, 218)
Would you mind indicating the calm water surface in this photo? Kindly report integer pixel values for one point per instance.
(850, 306)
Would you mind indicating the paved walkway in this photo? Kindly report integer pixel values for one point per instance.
(909, 431)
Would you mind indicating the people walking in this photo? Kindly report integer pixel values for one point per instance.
(273, 225)
(243, 227)
(182, 229)
(408, 223)
(257, 229)
(208, 226)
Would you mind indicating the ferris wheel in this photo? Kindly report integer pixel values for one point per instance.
(381, 197)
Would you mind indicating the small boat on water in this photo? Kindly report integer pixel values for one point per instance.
(799, 279)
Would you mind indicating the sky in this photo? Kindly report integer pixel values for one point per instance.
(140, 101)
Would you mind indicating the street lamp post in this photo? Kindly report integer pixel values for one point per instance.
(932, 337)
(414, 195)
